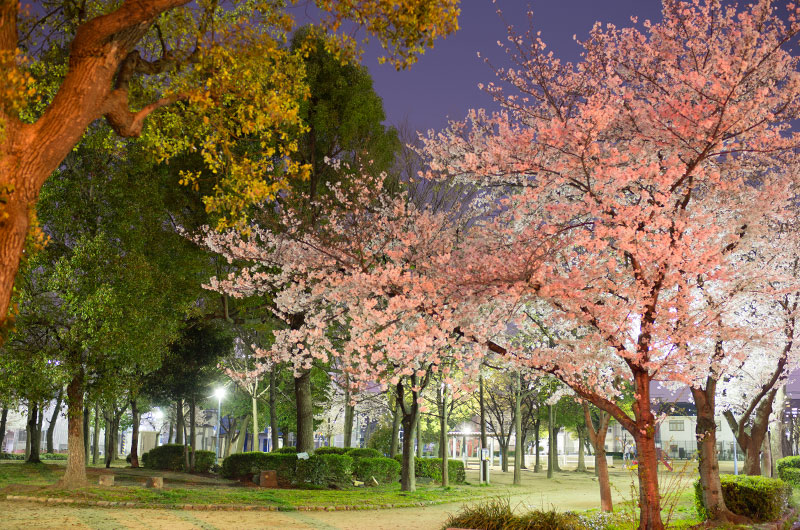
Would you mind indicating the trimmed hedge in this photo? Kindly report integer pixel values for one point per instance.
(759, 498)
(286, 450)
(245, 465)
(385, 470)
(53, 456)
(170, 457)
(432, 468)
(789, 469)
(367, 452)
(325, 470)
(331, 451)
(12, 456)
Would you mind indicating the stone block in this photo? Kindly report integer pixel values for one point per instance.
(268, 479)
(155, 482)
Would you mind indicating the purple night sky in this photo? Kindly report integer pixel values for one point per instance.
(444, 82)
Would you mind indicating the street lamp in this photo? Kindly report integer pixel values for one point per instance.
(219, 393)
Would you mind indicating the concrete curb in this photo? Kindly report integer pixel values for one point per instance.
(222, 507)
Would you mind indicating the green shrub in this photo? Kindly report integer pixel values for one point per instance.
(358, 452)
(432, 468)
(790, 475)
(286, 450)
(497, 514)
(171, 457)
(759, 498)
(325, 470)
(331, 451)
(12, 456)
(385, 470)
(53, 456)
(245, 465)
(789, 462)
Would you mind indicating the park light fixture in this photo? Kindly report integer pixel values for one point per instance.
(158, 414)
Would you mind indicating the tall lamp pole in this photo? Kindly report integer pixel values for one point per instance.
(219, 393)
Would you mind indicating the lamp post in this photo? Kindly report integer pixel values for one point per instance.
(219, 393)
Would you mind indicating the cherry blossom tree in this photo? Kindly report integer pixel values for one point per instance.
(620, 167)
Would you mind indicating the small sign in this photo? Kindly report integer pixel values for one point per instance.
(302, 456)
(485, 454)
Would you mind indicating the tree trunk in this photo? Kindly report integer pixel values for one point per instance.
(3, 419)
(504, 453)
(34, 436)
(779, 427)
(518, 430)
(135, 434)
(581, 461)
(86, 418)
(273, 408)
(96, 435)
(418, 431)
(537, 467)
(597, 437)
(706, 433)
(751, 443)
(556, 430)
(192, 432)
(51, 427)
(75, 473)
(443, 438)
(240, 440)
(255, 424)
(305, 412)
(550, 441)
(484, 445)
(395, 430)
(408, 480)
(348, 421)
(180, 428)
(169, 434)
(286, 437)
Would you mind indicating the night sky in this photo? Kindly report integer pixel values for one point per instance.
(444, 82)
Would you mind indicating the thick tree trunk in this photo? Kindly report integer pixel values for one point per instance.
(706, 433)
(484, 445)
(752, 442)
(96, 435)
(3, 419)
(34, 436)
(169, 434)
(408, 481)
(556, 430)
(395, 430)
(504, 453)
(273, 408)
(305, 412)
(180, 428)
(518, 430)
(348, 421)
(778, 429)
(75, 473)
(644, 435)
(240, 440)
(581, 461)
(418, 431)
(135, 434)
(597, 437)
(51, 427)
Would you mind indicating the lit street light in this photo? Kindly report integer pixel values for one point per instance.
(219, 393)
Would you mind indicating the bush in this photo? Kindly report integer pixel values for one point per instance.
(325, 470)
(432, 468)
(245, 465)
(497, 514)
(286, 450)
(53, 456)
(12, 456)
(332, 451)
(789, 462)
(385, 470)
(171, 457)
(759, 498)
(358, 452)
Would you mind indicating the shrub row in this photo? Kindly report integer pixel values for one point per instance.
(324, 468)
(12, 456)
(789, 469)
(171, 457)
(432, 468)
(385, 470)
(245, 465)
(42, 456)
(286, 450)
(759, 498)
(497, 514)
